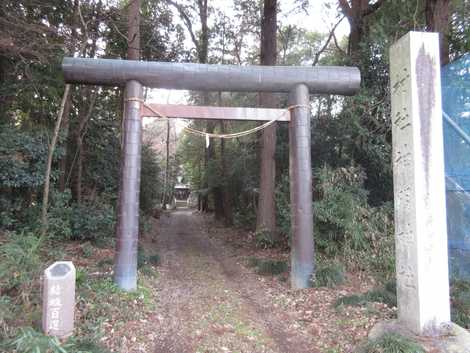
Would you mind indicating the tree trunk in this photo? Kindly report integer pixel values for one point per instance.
(63, 160)
(167, 167)
(356, 12)
(68, 107)
(50, 154)
(209, 154)
(437, 20)
(227, 196)
(203, 49)
(79, 174)
(356, 22)
(133, 35)
(266, 215)
(79, 135)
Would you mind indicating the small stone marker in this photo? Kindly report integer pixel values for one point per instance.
(418, 178)
(58, 304)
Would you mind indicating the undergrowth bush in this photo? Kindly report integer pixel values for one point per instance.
(346, 225)
(268, 266)
(460, 299)
(88, 221)
(19, 261)
(144, 259)
(29, 340)
(6, 316)
(264, 239)
(151, 184)
(391, 343)
(245, 218)
(88, 345)
(283, 212)
(329, 275)
(386, 294)
(91, 221)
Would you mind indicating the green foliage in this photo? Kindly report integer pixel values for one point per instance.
(28, 340)
(144, 259)
(268, 266)
(264, 239)
(81, 276)
(150, 182)
(88, 221)
(31, 341)
(101, 299)
(92, 221)
(351, 300)
(460, 300)
(19, 260)
(341, 209)
(329, 275)
(240, 175)
(22, 158)
(23, 155)
(87, 345)
(391, 343)
(386, 294)
(87, 249)
(382, 296)
(347, 225)
(283, 211)
(59, 215)
(6, 315)
(245, 218)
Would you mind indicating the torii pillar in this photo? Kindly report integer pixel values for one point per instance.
(298, 81)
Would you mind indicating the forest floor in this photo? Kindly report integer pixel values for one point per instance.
(205, 298)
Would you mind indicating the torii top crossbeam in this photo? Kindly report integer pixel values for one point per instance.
(339, 80)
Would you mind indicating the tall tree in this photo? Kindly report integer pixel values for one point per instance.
(437, 20)
(133, 36)
(50, 154)
(357, 11)
(87, 96)
(201, 43)
(266, 215)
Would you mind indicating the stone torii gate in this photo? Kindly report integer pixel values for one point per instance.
(299, 82)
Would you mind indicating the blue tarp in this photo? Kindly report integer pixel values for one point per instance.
(456, 116)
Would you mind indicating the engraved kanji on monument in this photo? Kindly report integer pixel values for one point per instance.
(418, 178)
(58, 304)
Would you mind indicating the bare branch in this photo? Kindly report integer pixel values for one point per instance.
(118, 31)
(186, 20)
(337, 45)
(84, 25)
(328, 40)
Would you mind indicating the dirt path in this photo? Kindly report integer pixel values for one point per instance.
(211, 303)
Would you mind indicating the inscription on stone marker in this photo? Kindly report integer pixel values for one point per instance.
(59, 299)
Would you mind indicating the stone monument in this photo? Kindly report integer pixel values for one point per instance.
(59, 299)
(419, 195)
(418, 178)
